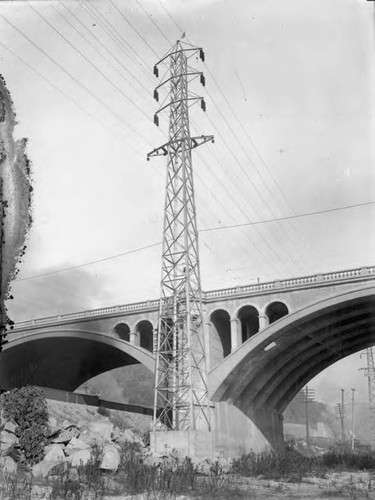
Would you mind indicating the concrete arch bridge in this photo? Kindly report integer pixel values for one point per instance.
(264, 343)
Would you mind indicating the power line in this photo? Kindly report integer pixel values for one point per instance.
(288, 217)
(139, 249)
(248, 137)
(135, 86)
(153, 22)
(103, 75)
(80, 84)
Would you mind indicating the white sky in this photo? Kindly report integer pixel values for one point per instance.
(289, 100)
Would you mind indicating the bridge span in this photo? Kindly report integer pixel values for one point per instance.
(264, 341)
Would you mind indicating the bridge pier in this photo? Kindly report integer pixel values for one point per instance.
(235, 333)
(263, 321)
(270, 423)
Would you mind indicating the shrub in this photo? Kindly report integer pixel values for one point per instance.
(274, 465)
(346, 459)
(103, 411)
(27, 406)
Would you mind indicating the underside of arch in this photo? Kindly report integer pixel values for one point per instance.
(65, 359)
(266, 372)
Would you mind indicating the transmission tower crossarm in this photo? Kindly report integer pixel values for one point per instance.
(172, 103)
(193, 49)
(192, 73)
(194, 143)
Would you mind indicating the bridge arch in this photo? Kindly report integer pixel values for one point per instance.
(220, 335)
(65, 359)
(248, 317)
(264, 374)
(145, 331)
(121, 330)
(276, 310)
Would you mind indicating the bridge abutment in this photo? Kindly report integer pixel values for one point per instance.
(232, 435)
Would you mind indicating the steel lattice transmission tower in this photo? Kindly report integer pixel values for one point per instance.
(181, 395)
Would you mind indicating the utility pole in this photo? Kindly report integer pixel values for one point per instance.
(181, 395)
(370, 374)
(340, 411)
(353, 390)
(307, 396)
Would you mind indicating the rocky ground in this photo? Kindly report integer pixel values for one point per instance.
(78, 434)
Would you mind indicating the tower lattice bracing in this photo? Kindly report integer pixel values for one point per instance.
(181, 396)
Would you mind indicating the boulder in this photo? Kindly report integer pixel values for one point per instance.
(103, 429)
(8, 465)
(110, 457)
(80, 457)
(54, 456)
(53, 427)
(130, 436)
(8, 441)
(10, 426)
(76, 444)
(66, 434)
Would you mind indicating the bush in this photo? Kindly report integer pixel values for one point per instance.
(346, 459)
(27, 406)
(103, 411)
(274, 465)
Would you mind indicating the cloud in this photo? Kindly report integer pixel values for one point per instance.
(61, 293)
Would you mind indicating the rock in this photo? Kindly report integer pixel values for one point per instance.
(65, 435)
(110, 458)
(81, 457)
(8, 465)
(10, 426)
(130, 436)
(54, 456)
(8, 440)
(76, 444)
(53, 427)
(103, 429)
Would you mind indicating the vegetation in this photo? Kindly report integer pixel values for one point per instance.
(27, 406)
(170, 477)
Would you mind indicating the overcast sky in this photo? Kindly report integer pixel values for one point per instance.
(289, 100)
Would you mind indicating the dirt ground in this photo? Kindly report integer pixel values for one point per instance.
(338, 486)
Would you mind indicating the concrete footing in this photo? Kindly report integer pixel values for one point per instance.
(232, 435)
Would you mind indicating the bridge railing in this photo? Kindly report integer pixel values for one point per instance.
(213, 294)
(304, 280)
(92, 313)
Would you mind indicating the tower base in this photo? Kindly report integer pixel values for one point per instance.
(233, 434)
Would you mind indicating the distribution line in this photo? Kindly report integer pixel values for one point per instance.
(219, 228)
